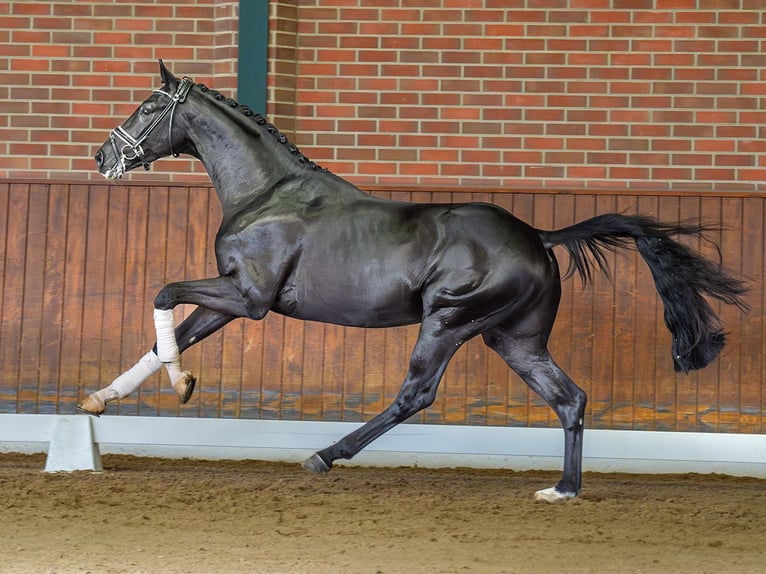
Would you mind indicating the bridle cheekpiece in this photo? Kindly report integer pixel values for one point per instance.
(133, 145)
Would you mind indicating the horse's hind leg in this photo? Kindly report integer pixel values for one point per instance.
(432, 352)
(201, 323)
(529, 357)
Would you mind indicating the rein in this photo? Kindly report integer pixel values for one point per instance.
(133, 145)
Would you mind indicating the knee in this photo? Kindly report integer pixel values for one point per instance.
(164, 299)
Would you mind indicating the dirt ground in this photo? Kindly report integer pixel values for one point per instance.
(184, 516)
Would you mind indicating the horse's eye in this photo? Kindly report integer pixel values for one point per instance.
(146, 110)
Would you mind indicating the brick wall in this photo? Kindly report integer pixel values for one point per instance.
(519, 93)
(71, 71)
(640, 94)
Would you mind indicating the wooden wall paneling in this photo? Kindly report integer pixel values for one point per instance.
(15, 238)
(665, 415)
(702, 414)
(152, 401)
(757, 299)
(730, 363)
(498, 374)
(332, 373)
(560, 345)
(31, 324)
(603, 289)
(200, 253)
(582, 311)
(115, 312)
(7, 394)
(96, 226)
(204, 402)
(520, 397)
(229, 340)
(155, 252)
(71, 389)
(353, 375)
(624, 337)
(750, 326)
(53, 295)
(252, 381)
(174, 247)
(179, 266)
(540, 414)
(374, 372)
(645, 331)
(131, 344)
(232, 352)
(293, 369)
(81, 265)
(312, 369)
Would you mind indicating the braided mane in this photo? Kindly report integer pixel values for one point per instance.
(261, 121)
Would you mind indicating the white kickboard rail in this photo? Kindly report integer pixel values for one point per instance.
(406, 445)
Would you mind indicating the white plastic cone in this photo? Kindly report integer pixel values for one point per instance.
(72, 446)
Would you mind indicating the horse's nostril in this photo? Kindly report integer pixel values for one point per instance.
(99, 158)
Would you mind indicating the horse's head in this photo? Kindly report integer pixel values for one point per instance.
(147, 134)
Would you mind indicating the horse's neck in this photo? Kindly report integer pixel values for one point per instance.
(246, 168)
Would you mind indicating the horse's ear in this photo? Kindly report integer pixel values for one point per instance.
(168, 79)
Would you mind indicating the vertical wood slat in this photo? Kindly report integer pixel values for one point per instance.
(73, 298)
(82, 263)
(751, 256)
(16, 202)
(53, 295)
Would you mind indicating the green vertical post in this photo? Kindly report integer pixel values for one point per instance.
(253, 54)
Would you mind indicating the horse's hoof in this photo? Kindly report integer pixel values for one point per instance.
(185, 387)
(316, 463)
(92, 405)
(552, 495)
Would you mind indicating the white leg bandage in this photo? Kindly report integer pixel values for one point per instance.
(123, 385)
(167, 346)
(131, 379)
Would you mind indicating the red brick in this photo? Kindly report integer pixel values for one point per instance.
(746, 160)
(716, 145)
(522, 156)
(671, 145)
(585, 172)
(543, 115)
(693, 131)
(28, 65)
(672, 173)
(501, 170)
(14, 50)
(543, 143)
(629, 172)
(51, 51)
(544, 171)
(751, 174)
(609, 16)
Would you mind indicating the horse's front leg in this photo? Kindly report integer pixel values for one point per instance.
(219, 294)
(201, 323)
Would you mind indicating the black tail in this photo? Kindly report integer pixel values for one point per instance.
(681, 276)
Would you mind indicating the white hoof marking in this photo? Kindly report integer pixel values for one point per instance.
(553, 495)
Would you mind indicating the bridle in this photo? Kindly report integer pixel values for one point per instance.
(133, 145)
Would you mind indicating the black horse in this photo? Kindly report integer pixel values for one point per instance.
(300, 241)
